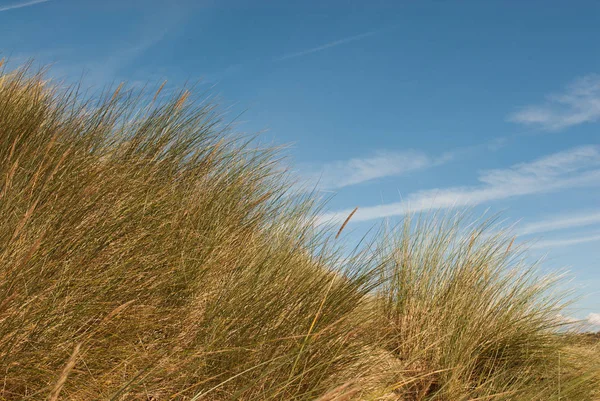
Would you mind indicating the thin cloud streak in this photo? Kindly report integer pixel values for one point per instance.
(572, 168)
(339, 174)
(327, 46)
(561, 223)
(579, 103)
(556, 243)
(343, 173)
(237, 67)
(21, 5)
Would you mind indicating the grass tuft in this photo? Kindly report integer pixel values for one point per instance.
(149, 253)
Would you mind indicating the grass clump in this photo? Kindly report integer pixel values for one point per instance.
(148, 253)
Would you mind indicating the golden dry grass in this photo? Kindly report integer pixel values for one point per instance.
(148, 253)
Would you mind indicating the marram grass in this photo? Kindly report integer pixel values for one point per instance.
(148, 253)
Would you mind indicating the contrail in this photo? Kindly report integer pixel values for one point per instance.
(326, 46)
(21, 5)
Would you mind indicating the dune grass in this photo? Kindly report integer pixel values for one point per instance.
(149, 253)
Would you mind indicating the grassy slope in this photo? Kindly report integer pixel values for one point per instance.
(148, 253)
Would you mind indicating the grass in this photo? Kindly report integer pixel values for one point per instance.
(149, 253)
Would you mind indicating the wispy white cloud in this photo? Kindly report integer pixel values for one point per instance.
(326, 46)
(557, 243)
(111, 60)
(21, 5)
(579, 103)
(343, 173)
(106, 67)
(561, 222)
(577, 167)
(585, 324)
(594, 318)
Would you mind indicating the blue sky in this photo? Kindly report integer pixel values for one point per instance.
(396, 106)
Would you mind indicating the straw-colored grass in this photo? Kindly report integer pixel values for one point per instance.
(148, 253)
